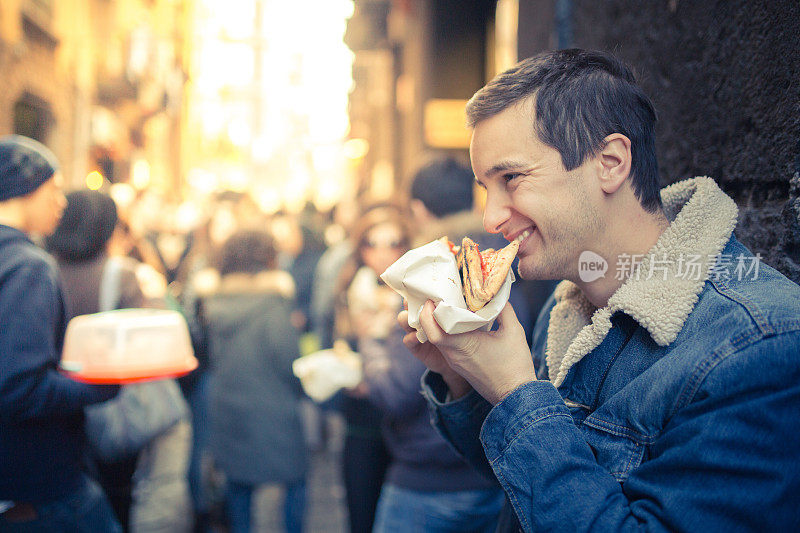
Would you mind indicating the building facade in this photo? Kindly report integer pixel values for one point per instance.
(99, 82)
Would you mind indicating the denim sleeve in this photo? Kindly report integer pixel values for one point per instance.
(30, 384)
(722, 462)
(458, 422)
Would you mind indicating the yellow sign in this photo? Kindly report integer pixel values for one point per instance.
(446, 124)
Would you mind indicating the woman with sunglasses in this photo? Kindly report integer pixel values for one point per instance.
(366, 310)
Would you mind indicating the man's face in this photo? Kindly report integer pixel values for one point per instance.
(530, 194)
(44, 206)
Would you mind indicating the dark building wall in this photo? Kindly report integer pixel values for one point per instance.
(725, 80)
(536, 27)
(458, 49)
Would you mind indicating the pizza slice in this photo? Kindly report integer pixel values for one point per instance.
(482, 273)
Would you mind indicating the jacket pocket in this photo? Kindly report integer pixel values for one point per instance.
(618, 449)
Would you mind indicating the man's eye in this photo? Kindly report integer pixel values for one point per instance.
(511, 175)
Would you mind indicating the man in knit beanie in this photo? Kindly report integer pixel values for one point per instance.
(30, 186)
(42, 485)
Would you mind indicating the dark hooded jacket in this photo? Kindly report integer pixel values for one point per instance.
(256, 430)
(41, 410)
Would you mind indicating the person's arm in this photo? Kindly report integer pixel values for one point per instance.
(457, 410)
(460, 420)
(30, 383)
(494, 363)
(723, 461)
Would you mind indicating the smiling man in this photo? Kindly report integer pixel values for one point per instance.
(664, 386)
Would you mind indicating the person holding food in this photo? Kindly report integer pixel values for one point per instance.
(443, 204)
(43, 486)
(365, 312)
(663, 387)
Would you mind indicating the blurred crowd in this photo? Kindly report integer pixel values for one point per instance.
(257, 291)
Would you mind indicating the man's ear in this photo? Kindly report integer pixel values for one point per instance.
(615, 162)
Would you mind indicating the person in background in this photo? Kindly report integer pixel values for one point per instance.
(256, 434)
(662, 396)
(126, 243)
(80, 246)
(427, 486)
(147, 486)
(42, 483)
(300, 247)
(365, 309)
(329, 267)
(202, 276)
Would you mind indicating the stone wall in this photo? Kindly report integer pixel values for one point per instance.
(725, 80)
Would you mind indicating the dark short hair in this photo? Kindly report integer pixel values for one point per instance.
(444, 187)
(85, 227)
(247, 251)
(581, 97)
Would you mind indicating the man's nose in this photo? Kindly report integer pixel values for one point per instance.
(495, 214)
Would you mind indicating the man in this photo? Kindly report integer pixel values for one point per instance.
(42, 486)
(668, 387)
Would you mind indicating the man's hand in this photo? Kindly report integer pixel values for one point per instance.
(494, 363)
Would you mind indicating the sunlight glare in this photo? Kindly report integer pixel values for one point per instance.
(269, 97)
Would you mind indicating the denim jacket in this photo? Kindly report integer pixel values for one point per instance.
(674, 408)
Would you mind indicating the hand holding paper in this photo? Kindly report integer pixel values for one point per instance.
(493, 363)
(430, 272)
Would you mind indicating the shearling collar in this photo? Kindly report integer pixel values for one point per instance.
(702, 219)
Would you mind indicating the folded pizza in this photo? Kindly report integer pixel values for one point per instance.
(482, 272)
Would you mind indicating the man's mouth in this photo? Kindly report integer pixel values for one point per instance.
(522, 236)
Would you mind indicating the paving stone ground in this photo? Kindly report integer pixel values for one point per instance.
(326, 511)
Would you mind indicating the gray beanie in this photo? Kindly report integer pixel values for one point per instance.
(24, 165)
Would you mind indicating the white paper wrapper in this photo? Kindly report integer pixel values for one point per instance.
(323, 373)
(430, 272)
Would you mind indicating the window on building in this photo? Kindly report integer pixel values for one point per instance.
(33, 117)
